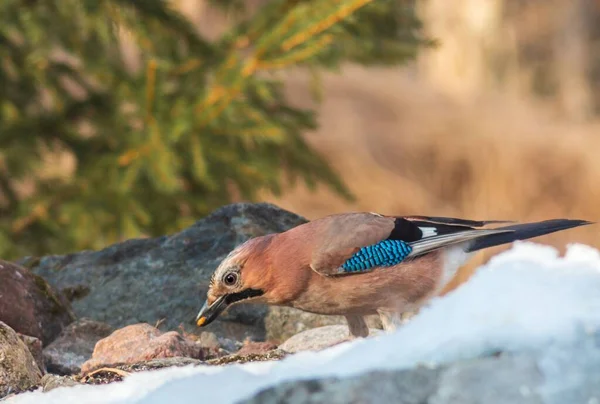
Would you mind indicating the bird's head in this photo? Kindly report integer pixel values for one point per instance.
(240, 277)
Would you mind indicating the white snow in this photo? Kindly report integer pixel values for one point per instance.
(526, 298)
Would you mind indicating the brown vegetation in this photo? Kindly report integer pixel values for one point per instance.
(463, 132)
(403, 148)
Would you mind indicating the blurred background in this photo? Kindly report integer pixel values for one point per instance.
(124, 119)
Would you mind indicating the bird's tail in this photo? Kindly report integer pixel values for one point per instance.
(523, 232)
(477, 239)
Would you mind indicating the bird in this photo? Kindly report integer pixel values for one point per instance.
(358, 264)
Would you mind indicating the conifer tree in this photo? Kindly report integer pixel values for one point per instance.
(156, 148)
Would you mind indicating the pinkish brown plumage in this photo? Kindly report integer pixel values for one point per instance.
(405, 261)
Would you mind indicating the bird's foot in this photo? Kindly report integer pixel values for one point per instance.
(357, 326)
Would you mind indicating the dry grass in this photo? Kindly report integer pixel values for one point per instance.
(404, 149)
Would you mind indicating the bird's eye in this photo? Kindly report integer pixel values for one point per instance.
(230, 279)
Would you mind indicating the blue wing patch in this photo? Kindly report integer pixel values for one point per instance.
(383, 254)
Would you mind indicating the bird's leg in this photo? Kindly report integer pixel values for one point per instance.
(357, 327)
(390, 320)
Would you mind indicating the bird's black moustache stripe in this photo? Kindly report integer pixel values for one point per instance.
(243, 295)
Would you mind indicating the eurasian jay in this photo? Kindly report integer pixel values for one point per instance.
(358, 264)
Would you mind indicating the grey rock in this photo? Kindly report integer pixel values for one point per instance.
(51, 382)
(74, 346)
(506, 379)
(486, 380)
(166, 278)
(212, 341)
(402, 387)
(556, 372)
(18, 369)
(230, 345)
(209, 340)
(319, 338)
(284, 322)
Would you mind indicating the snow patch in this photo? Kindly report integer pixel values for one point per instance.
(527, 298)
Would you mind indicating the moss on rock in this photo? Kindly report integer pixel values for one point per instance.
(18, 369)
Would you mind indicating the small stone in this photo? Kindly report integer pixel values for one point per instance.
(139, 343)
(230, 345)
(215, 345)
(256, 348)
(319, 338)
(18, 369)
(209, 340)
(50, 382)
(74, 346)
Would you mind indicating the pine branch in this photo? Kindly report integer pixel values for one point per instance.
(161, 10)
(343, 12)
(199, 123)
(221, 95)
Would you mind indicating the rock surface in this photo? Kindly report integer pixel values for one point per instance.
(212, 341)
(553, 372)
(256, 348)
(487, 380)
(29, 305)
(51, 382)
(35, 348)
(166, 278)
(272, 355)
(283, 323)
(74, 346)
(18, 369)
(138, 343)
(319, 338)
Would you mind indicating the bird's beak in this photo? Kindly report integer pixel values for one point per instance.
(208, 313)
